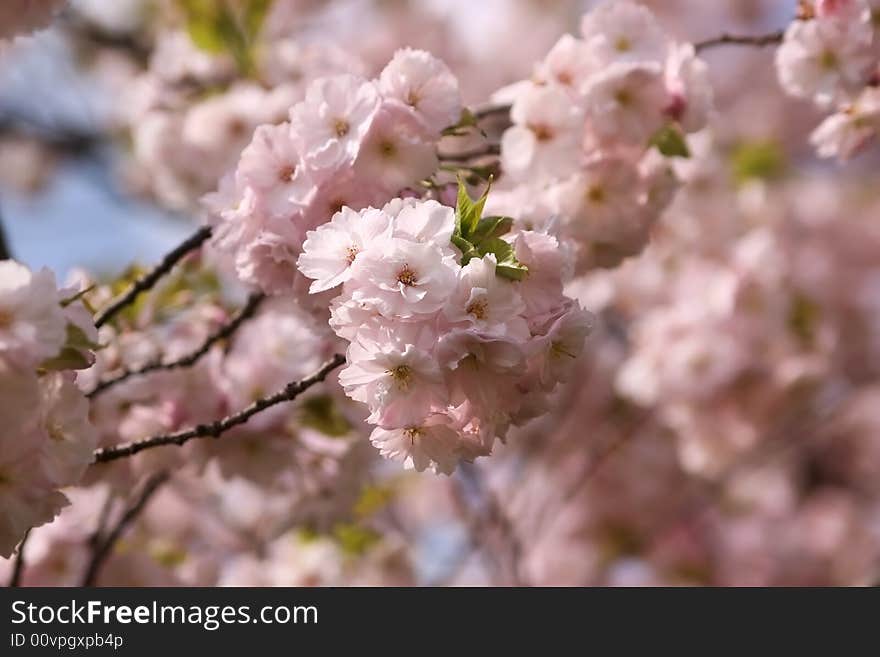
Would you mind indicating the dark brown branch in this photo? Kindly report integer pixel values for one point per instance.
(758, 41)
(85, 31)
(18, 565)
(222, 333)
(65, 140)
(219, 427)
(148, 280)
(103, 548)
(5, 251)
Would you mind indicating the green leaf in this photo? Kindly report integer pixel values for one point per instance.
(466, 217)
(670, 142)
(475, 235)
(515, 272)
(468, 211)
(322, 414)
(803, 319)
(489, 227)
(372, 499)
(466, 121)
(67, 359)
(354, 539)
(254, 17)
(75, 354)
(757, 161)
(77, 339)
(467, 249)
(217, 27)
(507, 264)
(203, 24)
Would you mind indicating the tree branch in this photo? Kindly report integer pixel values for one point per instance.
(489, 110)
(219, 427)
(222, 333)
(465, 156)
(103, 548)
(148, 280)
(5, 252)
(489, 527)
(759, 41)
(18, 566)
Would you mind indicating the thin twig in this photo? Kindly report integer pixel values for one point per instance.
(486, 111)
(148, 280)
(484, 522)
(466, 156)
(103, 518)
(490, 110)
(222, 333)
(219, 427)
(18, 566)
(102, 551)
(758, 41)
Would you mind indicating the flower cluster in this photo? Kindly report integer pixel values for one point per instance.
(184, 138)
(741, 349)
(445, 355)
(351, 142)
(584, 127)
(831, 55)
(47, 441)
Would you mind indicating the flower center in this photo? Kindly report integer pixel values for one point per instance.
(560, 349)
(336, 205)
(387, 149)
(412, 433)
(351, 253)
(564, 78)
(478, 308)
(413, 98)
(6, 318)
(595, 194)
(341, 127)
(56, 431)
(542, 132)
(237, 128)
(623, 97)
(623, 44)
(828, 60)
(402, 375)
(287, 173)
(406, 276)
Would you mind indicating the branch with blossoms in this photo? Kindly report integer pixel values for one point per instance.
(102, 546)
(224, 332)
(146, 281)
(217, 428)
(757, 41)
(457, 314)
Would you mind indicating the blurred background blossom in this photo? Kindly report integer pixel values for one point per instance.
(723, 424)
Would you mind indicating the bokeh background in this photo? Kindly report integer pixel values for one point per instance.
(695, 445)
